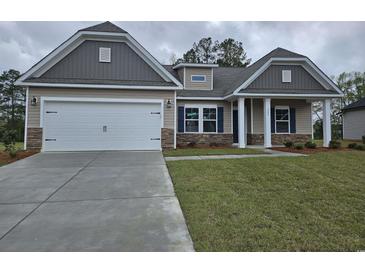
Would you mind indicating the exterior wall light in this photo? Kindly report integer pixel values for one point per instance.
(169, 103)
(34, 101)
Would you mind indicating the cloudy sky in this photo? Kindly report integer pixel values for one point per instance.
(333, 46)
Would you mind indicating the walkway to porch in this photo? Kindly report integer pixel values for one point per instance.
(266, 153)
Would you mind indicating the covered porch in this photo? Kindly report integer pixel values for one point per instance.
(270, 121)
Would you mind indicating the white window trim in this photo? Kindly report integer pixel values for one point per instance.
(109, 55)
(286, 76)
(191, 119)
(198, 75)
(201, 120)
(288, 109)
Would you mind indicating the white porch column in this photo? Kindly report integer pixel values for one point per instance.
(241, 123)
(267, 122)
(326, 122)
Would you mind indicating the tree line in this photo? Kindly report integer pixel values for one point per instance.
(228, 53)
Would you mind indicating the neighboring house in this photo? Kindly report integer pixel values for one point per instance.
(354, 120)
(101, 90)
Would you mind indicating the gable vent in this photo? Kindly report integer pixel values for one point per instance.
(286, 76)
(104, 55)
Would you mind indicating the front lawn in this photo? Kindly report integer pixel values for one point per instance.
(313, 203)
(210, 151)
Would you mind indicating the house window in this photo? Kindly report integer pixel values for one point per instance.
(286, 76)
(282, 120)
(104, 55)
(209, 120)
(198, 78)
(191, 119)
(201, 119)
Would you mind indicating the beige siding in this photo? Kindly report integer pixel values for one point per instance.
(198, 71)
(226, 111)
(302, 110)
(354, 124)
(258, 116)
(34, 111)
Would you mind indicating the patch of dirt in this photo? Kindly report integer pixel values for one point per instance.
(309, 150)
(6, 159)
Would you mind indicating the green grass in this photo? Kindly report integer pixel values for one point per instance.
(210, 151)
(19, 145)
(313, 203)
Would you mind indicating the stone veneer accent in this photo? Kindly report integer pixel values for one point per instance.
(201, 139)
(34, 138)
(278, 139)
(167, 138)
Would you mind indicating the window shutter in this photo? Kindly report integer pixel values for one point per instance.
(272, 120)
(220, 119)
(293, 123)
(180, 119)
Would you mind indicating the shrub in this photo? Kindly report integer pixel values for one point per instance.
(360, 147)
(9, 138)
(363, 139)
(298, 146)
(352, 145)
(288, 144)
(310, 144)
(335, 144)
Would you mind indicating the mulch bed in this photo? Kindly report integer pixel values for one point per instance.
(6, 159)
(310, 150)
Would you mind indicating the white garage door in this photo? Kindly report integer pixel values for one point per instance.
(75, 126)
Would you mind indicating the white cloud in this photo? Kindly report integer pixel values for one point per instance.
(333, 46)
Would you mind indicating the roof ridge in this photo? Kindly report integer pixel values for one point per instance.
(106, 26)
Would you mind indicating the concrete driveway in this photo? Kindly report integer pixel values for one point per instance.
(90, 201)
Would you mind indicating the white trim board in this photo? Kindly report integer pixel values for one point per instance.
(96, 86)
(200, 98)
(81, 36)
(192, 65)
(26, 119)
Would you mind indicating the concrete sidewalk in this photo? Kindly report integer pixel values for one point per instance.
(268, 153)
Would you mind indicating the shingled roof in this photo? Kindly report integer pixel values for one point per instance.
(356, 105)
(228, 79)
(105, 27)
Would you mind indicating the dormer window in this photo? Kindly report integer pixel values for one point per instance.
(286, 76)
(104, 55)
(198, 78)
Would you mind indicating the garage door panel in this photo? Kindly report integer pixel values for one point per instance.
(102, 126)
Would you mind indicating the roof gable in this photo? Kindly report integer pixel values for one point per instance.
(102, 32)
(271, 78)
(282, 56)
(83, 63)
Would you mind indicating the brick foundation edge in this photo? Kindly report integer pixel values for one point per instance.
(34, 138)
(219, 139)
(278, 139)
(167, 138)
